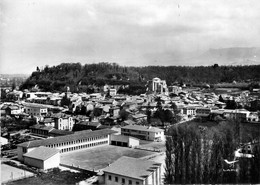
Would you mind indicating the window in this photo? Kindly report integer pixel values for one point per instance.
(130, 182)
(109, 177)
(123, 180)
(137, 183)
(116, 179)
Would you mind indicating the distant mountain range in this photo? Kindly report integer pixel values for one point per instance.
(14, 75)
(227, 56)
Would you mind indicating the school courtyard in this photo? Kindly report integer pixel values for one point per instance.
(100, 157)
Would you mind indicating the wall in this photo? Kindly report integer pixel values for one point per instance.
(33, 162)
(20, 152)
(52, 162)
(133, 142)
(113, 182)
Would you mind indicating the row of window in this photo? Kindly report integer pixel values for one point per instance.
(137, 131)
(123, 181)
(36, 110)
(83, 146)
(77, 141)
(140, 132)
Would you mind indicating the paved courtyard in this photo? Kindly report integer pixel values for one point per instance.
(99, 157)
(11, 173)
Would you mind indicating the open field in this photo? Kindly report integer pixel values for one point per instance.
(9, 173)
(99, 157)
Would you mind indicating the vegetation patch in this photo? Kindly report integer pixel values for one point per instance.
(56, 177)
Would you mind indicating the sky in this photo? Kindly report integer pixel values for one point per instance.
(128, 32)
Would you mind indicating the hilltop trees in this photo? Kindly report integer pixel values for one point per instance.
(74, 75)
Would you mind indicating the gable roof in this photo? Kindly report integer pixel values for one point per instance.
(42, 153)
(132, 167)
(138, 116)
(41, 127)
(67, 138)
(60, 132)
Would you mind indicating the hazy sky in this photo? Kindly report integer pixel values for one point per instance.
(129, 32)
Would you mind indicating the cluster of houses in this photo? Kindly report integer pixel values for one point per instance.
(71, 127)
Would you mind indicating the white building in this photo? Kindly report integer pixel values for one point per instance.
(77, 141)
(143, 132)
(63, 122)
(3, 141)
(189, 111)
(43, 158)
(159, 85)
(131, 171)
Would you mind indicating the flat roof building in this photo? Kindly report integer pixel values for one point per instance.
(143, 132)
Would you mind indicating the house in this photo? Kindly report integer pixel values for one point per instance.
(3, 109)
(3, 141)
(77, 141)
(240, 114)
(143, 132)
(114, 111)
(41, 130)
(35, 109)
(189, 111)
(203, 111)
(253, 117)
(112, 92)
(139, 117)
(43, 158)
(128, 170)
(127, 122)
(47, 122)
(220, 105)
(63, 121)
(14, 110)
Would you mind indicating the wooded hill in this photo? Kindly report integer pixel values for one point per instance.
(84, 77)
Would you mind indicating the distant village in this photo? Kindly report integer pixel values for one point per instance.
(46, 130)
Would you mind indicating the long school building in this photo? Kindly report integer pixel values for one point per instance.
(79, 140)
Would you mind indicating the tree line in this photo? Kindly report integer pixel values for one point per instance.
(76, 75)
(196, 155)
